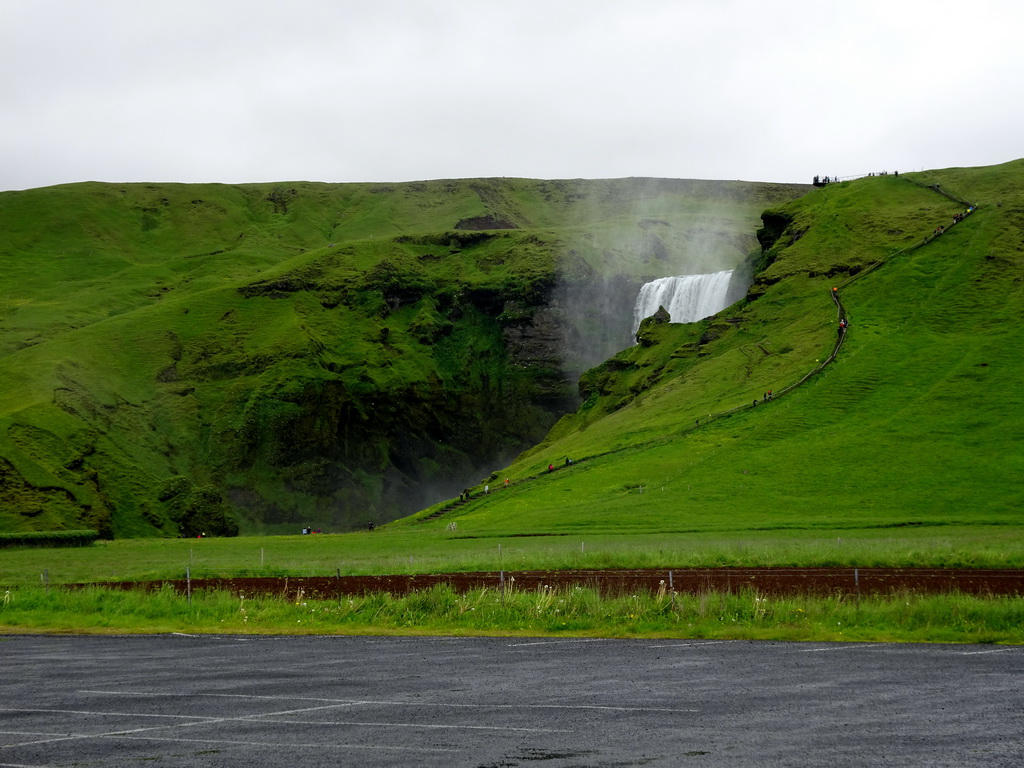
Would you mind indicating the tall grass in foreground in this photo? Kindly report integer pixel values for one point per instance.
(576, 611)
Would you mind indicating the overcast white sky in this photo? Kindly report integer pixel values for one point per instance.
(392, 90)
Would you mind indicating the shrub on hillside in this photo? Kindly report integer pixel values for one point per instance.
(48, 539)
(197, 511)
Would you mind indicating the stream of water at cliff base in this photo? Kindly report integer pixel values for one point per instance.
(687, 298)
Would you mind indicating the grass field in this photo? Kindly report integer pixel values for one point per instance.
(307, 353)
(918, 422)
(426, 551)
(34, 599)
(904, 451)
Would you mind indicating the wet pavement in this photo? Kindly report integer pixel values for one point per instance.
(184, 700)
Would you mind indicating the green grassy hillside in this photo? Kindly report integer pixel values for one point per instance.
(189, 357)
(918, 422)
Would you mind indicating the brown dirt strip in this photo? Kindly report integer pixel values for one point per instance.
(769, 581)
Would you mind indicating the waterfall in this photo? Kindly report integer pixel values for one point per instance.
(687, 298)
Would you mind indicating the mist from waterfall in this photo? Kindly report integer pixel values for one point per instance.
(687, 298)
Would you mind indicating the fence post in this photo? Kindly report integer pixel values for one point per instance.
(501, 575)
(188, 583)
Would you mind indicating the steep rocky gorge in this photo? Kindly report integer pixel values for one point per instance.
(497, 372)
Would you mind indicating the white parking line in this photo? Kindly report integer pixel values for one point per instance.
(841, 647)
(995, 650)
(693, 645)
(135, 733)
(197, 718)
(24, 733)
(390, 703)
(426, 726)
(194, 721)
(292, 745)
(283, 745)
(557, 642)
(64, 737)
(222, 696)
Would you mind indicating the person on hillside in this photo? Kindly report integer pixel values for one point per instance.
(506, 482)
(551, 467)
(487, 489)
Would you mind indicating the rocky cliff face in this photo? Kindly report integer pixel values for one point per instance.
(358, 449)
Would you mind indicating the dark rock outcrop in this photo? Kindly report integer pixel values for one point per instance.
(485, 222)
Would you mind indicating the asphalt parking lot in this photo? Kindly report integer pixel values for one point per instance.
(181, 700)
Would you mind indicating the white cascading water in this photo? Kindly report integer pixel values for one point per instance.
(687, 298)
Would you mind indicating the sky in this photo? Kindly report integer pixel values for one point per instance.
(238, 91)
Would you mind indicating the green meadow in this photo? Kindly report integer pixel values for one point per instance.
(906, 450)
(425, 551)
(181, 358)
(917, 424)
(37, 597)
